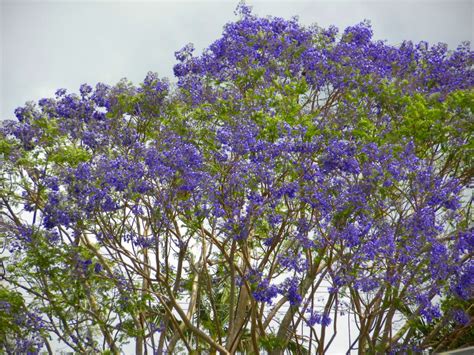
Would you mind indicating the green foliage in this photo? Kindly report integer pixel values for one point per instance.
(271, 342)
(11, 304)
(5, 147)
(70, 155)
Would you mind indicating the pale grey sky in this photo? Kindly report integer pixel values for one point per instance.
(46, 45)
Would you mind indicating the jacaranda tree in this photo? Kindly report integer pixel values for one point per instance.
(290, 174)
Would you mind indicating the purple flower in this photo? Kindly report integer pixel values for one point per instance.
(85, 90)
(265, 292)
(97, 268)
(290, 288)
(319, 318)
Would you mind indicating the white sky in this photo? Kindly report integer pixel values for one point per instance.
(46, 45)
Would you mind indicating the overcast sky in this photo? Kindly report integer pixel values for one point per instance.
(46, 45)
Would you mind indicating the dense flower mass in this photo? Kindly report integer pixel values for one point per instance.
(287, 161)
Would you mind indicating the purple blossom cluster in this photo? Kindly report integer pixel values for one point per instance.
(318, 318)
(25, 335)
(280, 48)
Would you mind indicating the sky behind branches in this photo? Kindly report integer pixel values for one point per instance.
(46, 45)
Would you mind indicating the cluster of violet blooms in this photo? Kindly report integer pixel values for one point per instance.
(375, 204)
(30, 321)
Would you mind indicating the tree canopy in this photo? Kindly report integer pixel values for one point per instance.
(292, 174)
